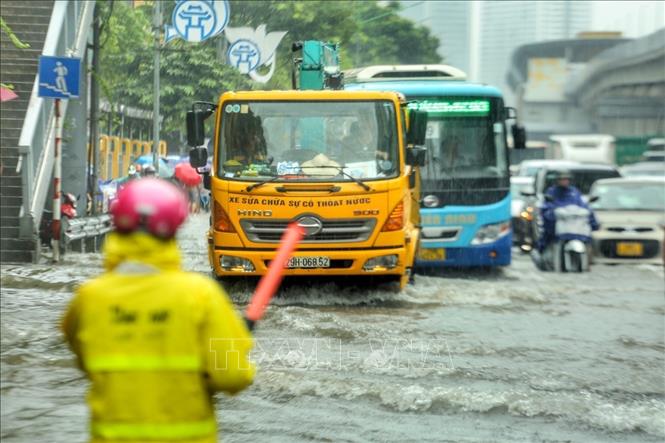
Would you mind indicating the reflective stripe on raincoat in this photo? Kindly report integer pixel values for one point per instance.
(156, 343)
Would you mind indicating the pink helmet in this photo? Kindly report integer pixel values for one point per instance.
(154, 205)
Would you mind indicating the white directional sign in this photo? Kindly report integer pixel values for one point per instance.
(197, 20)
(251, 48)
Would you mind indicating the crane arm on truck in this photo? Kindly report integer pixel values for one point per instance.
(317, 67)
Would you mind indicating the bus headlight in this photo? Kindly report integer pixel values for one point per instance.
(491, 233)
(235, 264)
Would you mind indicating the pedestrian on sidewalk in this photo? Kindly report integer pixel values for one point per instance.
(156, 342)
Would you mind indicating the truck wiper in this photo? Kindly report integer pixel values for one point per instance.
(253, 186)
(340, 169)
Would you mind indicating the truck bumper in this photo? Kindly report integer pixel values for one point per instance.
(342, 262)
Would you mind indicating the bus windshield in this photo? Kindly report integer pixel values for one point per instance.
(465, 139)
(308, 140)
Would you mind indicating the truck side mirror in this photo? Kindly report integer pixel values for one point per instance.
(206, 180)
(198, 157)
(519, 136)
(195, 128)
(417, 132)
(415, 156)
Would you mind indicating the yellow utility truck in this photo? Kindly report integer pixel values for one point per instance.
(342, 164)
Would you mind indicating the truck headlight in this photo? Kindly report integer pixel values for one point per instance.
(382, 263)
(236, 264)
(491, 233)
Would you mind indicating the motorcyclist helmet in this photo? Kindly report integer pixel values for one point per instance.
(70, 199)
(563, 174)
(150, 204)
(149, 171)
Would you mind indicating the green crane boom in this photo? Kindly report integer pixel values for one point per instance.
(318, 66)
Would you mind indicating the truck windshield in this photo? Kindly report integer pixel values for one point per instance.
(465, 138)
(308, 140)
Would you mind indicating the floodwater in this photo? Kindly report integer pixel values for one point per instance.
(507, 356)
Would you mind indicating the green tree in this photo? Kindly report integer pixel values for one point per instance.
(368, 34)
(386, 38)
(188, 72)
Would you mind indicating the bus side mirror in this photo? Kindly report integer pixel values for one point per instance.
(519, 136)
(510, 113)
(198, 157)
(415, 156)
(195, 128)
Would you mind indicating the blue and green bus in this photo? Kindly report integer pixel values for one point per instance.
(465, 184)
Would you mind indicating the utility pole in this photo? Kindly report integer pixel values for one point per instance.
(155, 109)
(94, 118)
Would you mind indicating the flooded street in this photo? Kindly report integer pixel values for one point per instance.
(515, 355)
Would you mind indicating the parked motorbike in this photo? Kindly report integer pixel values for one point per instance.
(67, 210)
(569, 251)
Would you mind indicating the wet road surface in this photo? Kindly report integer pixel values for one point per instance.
(507, 356)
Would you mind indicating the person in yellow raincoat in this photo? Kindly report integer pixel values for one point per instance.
(156, 342)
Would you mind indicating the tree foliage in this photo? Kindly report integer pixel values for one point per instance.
(368, 34)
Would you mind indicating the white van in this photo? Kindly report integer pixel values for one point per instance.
(588, 148)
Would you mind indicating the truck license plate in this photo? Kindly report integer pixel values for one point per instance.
(308, 262)
(630, 249)
(432, 254)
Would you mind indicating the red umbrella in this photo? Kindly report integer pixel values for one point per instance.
(7, 94)
(186, 174)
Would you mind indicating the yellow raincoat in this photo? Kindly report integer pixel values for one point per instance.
(156, 343)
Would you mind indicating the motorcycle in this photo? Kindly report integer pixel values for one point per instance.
(569, 251)
(67, 210)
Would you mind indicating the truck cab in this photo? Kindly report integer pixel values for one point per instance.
(338, 163)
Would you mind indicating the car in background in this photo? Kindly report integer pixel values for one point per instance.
(584, 176)
(642, 169)
(631, 213)
(518, 186)
(529, 168)
(655, 150)
(593, 148)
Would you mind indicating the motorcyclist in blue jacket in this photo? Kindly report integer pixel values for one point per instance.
(558, 195)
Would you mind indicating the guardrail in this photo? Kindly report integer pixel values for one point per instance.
(87, 232)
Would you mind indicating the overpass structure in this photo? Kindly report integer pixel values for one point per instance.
(538, 75)
(605, 84)
(623, 88)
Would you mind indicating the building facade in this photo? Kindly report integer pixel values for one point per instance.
(450, 22)
(505, 25)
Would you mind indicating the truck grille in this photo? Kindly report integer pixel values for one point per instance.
(332, 231)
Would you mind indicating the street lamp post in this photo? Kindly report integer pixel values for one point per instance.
(155, 108)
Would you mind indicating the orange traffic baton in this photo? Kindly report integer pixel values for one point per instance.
(269, 283)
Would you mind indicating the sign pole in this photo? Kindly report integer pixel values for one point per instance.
(57, 175)
(59, 78)
(155, 108)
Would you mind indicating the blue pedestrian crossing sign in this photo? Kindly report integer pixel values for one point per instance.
(59, 77)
